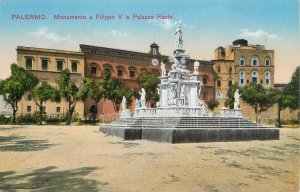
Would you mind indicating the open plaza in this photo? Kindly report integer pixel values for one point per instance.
(80, 158)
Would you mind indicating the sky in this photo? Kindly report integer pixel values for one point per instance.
(206, 24)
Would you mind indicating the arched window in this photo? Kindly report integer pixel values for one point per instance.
(254, 61)
(154, 50)
(242, 78)
(267, 61)
(219, 69)
(108, 68)
(242, 61)
(254, 77)
(229, 83)
(218, 83)
(230, 70)
(267, 79)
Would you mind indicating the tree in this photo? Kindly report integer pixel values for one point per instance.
(212, 104)
(14, 87)
(42, 94)
(293, 89)
(114, 90)
(72, 93)
(230, 96)
(96, 93)
(257, 97)
(149, 81)
(283, 101)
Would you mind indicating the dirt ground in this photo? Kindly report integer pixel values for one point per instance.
(80, 158)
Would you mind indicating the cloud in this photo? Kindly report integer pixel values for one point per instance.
(44, 32)
(258, 34)
(112, 33)
(168, 24)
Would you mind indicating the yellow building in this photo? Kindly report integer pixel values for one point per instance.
(242, 63)
(47, 65)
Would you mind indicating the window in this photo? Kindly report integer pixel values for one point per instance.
(93, 51)
(242, 78)
(254, 61)
(204, 80)
(242, 61)
(120, 72)
(230, 70)
(219, 69)
(267, 61)
(267, 79)
(254, 77)
(218, 83)
(229, 83)
(57, 109)
(29, 97)
(29, 62)
(154, 50)
(94, 70)
(44, 64)
(28, 108)
(132, 73)
(106, 69)
(59, 65)
(74, 66)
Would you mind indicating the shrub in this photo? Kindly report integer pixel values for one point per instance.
(4, 120)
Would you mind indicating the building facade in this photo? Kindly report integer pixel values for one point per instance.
(47, 65)
(91, 62)
(242, 63)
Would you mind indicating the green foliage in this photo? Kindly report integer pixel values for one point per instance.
(257, 97)
(14, 87)
(212, 104)
(4, 120)
(29, 118)
(149, 81)
(42, 94)
(229, 103)
(71, 92)
(96, 93)
(293, 89)
(114, 90)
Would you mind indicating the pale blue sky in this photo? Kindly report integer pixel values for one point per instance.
(207, 24)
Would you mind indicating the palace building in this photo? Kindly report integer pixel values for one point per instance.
(90, 62)
(242, 63)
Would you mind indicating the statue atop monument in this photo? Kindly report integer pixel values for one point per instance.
(143, 98)
(178, 38)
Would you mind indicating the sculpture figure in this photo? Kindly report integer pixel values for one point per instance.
(182, 95)
(172, 95)
(178, 38)
(143, 98)
(124, 103)
(237, 99)
(163, 69)
(196, 68)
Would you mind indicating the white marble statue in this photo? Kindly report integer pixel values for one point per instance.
(172, 95)
(175, 63)
(237, 99)
(196, 68)
(124, 103)
(199, 88)
(163, 69)
(178, 38)
(182, 95)
(158, 90)
(143, 98)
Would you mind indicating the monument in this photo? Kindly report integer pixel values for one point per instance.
(180, 116)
